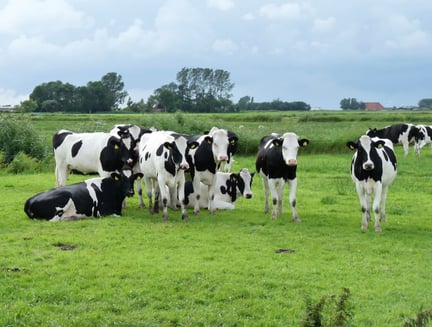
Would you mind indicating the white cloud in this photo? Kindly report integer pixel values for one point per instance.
(324, 25)
(9, 97)
(221, 4)
(34, 17)
(285, 11)
(225, 46)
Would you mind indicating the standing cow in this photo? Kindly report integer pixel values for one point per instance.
(373, 169)
(103, 153)
(422, 137)
(205, 158)
(399, 134)
(229, 187)
(276, 162)
(94, 197)
(162, 161)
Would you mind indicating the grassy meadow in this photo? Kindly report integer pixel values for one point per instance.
(227, 269)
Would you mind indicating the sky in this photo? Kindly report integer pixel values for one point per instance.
(315, 51)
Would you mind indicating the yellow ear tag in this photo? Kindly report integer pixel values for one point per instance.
(379, 146)
(116, 147)
(305, 143)
(116, 178)
(138, 178)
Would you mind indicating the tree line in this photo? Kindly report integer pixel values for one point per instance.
(195, 90)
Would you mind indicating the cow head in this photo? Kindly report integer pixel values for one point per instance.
(125, 181)
(219, 141)
(244, 183)
(115, 153)
(290, 143)
(178, 148)
(366, 148)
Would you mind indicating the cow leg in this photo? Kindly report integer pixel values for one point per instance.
(181, 197)
(383, 202)
(376, 206)
(406, 148)
(139, 191)
(364, 205)
(149, 191)
(266, 194)
(211, 193)
(163, 195)
(292, 199)
(275, 197)
(197, 189)
(61, 173)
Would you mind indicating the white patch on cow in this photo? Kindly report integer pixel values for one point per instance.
(69, 212)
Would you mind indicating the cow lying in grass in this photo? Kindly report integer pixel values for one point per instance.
(93, 197)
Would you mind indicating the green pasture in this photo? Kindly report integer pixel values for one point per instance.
(225, 270)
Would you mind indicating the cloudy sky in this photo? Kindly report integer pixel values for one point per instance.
(301, 50)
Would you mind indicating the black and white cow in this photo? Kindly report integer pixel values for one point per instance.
(95, 197)
(204, 159)
(229, 187)
(422, 137)
(162, 160)
(276, 162)
(399, 134)
(373, 169)
(101, 153)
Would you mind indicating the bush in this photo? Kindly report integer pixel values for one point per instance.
(18, 135)
(22, 163)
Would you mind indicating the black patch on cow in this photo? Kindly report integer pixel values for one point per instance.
(270, 161)
(114, 155)
(75, 148)
(58, 139)
(204, 158)
(160, 150)
(392, 132)
(147, 156)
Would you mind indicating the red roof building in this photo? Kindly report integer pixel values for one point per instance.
(373, 106)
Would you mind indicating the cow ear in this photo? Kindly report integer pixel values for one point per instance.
(233, 177)
(277, 142)
(192, 145)
(233, 140)
(115, 176)
(209, 139)
(168, 145)
(379, 144)
(303, 142)
(351, 145)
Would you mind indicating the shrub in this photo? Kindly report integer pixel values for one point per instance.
(22, 163)
(18, 135)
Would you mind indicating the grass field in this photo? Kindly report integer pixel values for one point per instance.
(224, 270)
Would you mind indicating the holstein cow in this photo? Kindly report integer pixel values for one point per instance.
(276, 162)
(398, 134)
(103, 153)
(373, 169)
(229, 187)
(423, 137)
(162, 161)
(204, 160)
(93, 197)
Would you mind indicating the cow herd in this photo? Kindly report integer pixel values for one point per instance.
(185, 171)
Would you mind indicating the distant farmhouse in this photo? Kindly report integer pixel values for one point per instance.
(373, 106)
(7, 108)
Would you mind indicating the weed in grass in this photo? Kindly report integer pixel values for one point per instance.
(421, 320)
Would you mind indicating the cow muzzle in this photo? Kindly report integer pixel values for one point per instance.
(184, 166)
(292, 162)
(368, 166)
(222, 158)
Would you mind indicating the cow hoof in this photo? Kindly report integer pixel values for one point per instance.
(364, 228)
(185, 217)
(378, 229)
(196, 213)
(297, 220)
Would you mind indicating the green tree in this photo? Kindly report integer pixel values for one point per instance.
(27, 106)
(425, 103)
(114, 83)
